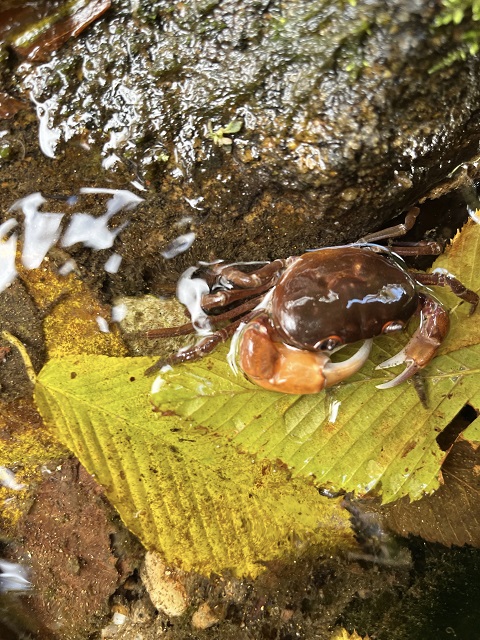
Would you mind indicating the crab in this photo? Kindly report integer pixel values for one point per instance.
(288, 316)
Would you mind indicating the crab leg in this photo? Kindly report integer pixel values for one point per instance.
(223, 298)
(188, 328)
(250, 280)
(395, 231)
(421, 248)
(444, 279)
(423, 345)
(201, 348)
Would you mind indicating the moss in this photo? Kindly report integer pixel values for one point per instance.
(70, 324)
(26, 447)
(455, 11)
(463, 17)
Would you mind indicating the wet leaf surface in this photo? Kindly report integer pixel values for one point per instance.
(451, 515)
(352, 437)
(177, 462)
(378, 440)
(203, 504)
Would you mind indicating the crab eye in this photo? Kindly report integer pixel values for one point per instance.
(329, 343)
(393, 326)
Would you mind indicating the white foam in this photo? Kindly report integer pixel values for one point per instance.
(91, 231)
(189, 292)
(119, 312)
(110, 161)
(138, 185)
(94, 232)
(117, 138)
(8, 250)
(122, 198)
(8, 480)
(41, 229)
(474, 214)
(112, 265)
(195, 203)
(178, 245)
(48, 137)
(102, 324)
(157, 384)
(13, 577)
(67, 267)
(333, 411)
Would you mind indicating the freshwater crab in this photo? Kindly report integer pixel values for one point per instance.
(288, 316)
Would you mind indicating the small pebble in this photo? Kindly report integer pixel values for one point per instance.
(166, 592)
(119, 618)
(204, 617)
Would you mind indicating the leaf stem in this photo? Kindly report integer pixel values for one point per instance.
(6, 335)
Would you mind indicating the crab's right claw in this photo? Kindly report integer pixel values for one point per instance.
(423, 345)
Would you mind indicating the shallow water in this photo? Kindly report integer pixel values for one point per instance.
(85, 189)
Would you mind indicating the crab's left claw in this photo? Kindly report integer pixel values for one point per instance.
(276, 366)
(423, 345)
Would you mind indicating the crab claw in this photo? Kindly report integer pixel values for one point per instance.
(274, 365)
(335, 372)
(400, 358)
(423, 345)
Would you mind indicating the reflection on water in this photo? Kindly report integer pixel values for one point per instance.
(13, 577)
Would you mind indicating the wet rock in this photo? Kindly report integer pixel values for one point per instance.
(297, 125)
(146, 313)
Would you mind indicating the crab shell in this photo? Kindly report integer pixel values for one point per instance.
(345, 294)
(325, 299)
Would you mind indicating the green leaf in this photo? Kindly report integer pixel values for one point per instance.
(234, 126)
(377, 439)
(179, 487)
(218, 135)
